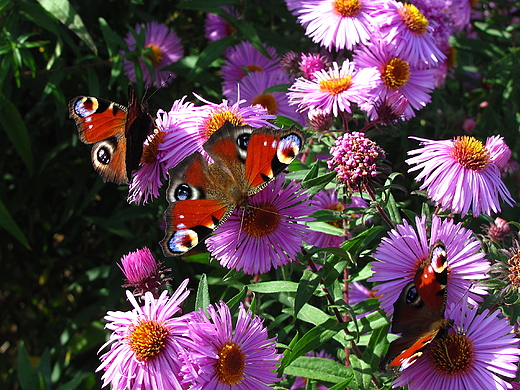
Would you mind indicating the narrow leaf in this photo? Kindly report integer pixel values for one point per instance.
(8, 223)
(202, 300)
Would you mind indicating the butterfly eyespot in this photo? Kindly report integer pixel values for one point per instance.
(103, 155)
(243, 141)
(412, 295)
(183, 192)
(288, 148)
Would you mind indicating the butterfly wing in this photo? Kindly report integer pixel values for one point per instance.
(419, 311)
(139, 124)
(102, 123)
(254, 156)
(197, 204)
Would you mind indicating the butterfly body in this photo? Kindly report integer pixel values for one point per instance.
(202, 195)
(117, 132)
(419, 311)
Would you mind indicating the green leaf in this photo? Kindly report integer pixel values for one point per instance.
(273, 287)
(202, 300)
(66, 14)
(8, 223)
(284, 88)
(312, 340)
(14, 126)
(27, 375)
(321, 369)
(306, 287)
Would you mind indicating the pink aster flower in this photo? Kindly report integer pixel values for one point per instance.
(252, 90)
(395, 75)
(400, 255)
(311, 63)
(405, 27)
(476, 353)
(156, 160)
(357, 160)
(227, 357)
(189, 128)
(216, 27)
(242, 60)
(336, 23)
(143, 272)
(461, 174)
(146, 343)
(162, 48)
(265, 235)
(335, 89)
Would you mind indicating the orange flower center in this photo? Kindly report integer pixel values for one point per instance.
(414, 19)
(150, 151)
(453, 354)
(155, 54)
(217, 119)
(336, 207)
(148, 340)
(336, 86)
(231, 363)
(347, 8)
(261, 220)
(267, 101)
(514, 270)
(470, 153)
(396, 73)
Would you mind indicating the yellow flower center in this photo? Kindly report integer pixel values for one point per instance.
(218, 118)
(470, 153)
(150, 151)
(155, 54)
(396, 73)
(453, 354)
(347, 8)
(148, 340)
(261, 220)
(267, 101)
(414, 19)
(336, 86)
(231, 363)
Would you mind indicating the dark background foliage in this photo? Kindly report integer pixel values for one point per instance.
(62, 229)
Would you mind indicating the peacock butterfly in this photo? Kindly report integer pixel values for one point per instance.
(419, 311)
(203, 195)
(117, 132)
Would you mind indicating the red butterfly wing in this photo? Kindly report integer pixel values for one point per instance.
(118, 137)
(419, 311)
(197, 205)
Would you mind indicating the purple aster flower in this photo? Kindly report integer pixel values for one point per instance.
(162, 48)
(151, 174)
(498, 151)
(405, 27)
(357, 160)
(461, 174)
(230, 358)
(189, 128)
(265, 235)
(217, 28)
(335, 89)
(252, 89)
(395, 74)
(476, 353)
(319, 121)
(341, 24)
(242, 60)
(146, 343)
(400, 255)
(143, 272)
